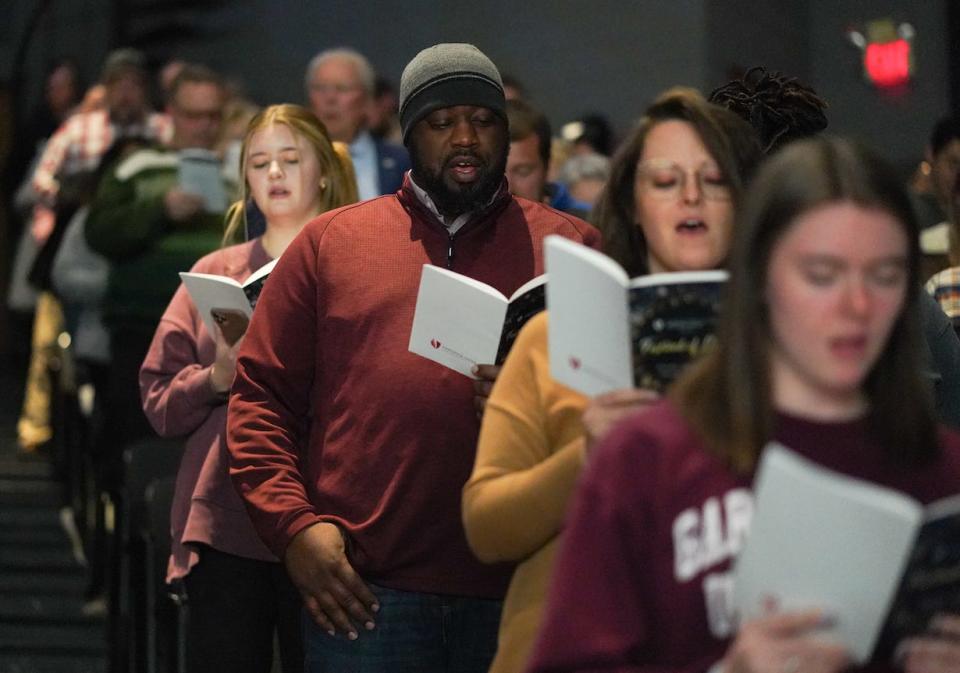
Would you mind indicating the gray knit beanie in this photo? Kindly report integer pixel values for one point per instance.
(445, 75)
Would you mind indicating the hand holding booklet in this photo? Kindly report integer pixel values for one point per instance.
(225, 302)
(607, 331)
(876, 561)
(460, 322)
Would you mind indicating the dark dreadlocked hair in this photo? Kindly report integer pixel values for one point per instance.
(781, 109)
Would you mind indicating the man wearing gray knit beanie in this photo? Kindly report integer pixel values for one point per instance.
(453, 117)
(351, 451)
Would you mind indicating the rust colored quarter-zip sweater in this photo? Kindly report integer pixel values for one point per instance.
(332, 419)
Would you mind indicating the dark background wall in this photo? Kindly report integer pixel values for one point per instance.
(897, 124)
(574, 55)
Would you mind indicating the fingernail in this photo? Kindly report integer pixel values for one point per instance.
(375, 607)
(369, 626)
(475, 370)
(352, 635)
(332, 633)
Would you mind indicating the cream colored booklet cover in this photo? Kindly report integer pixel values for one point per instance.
(460, 322)
(607, 331)
(874, 559)
(220, 299)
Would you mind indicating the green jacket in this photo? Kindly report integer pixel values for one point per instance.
(129, 226)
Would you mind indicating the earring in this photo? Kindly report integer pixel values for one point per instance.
(323, 184)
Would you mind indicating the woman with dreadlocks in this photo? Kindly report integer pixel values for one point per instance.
(780, 109)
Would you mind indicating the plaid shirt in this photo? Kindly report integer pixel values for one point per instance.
(945, 288)
(83, 138)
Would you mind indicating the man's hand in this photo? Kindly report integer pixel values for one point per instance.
(333, 593)
(781, 643)
(180, 205)
(605, 410)
(486, 375)
(938, 650)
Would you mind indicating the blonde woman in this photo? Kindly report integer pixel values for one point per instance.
(238, 592)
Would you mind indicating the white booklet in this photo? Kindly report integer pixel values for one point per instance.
(460, 322)
(874, 559)
(200, 173)
(607, 331)
(222, 300)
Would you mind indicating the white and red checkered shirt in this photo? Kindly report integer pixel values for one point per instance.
(83, 139)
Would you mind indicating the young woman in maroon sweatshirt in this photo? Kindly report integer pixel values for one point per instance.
(818, 349)
(238, 591)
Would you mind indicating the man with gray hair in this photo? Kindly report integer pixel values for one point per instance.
(340, 85)
(350, 451)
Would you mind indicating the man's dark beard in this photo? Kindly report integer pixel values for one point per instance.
(465, 198)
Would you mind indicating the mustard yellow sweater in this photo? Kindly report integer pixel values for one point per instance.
(529, 456)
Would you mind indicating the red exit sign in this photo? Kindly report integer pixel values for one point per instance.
(888, 63)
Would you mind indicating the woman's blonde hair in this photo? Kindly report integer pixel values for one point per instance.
(338, 183)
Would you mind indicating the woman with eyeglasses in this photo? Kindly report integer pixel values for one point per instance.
(668, 206)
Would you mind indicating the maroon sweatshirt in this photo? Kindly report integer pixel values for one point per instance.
(332, 419)
(642, 581)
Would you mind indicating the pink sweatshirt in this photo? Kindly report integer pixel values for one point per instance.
(179, 402)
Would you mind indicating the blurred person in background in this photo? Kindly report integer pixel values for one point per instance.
(61, 183)
(513, 88)
(585, 176)
(943, 157)
(63, 88)
(150, 227)
(340, 87)
(383, 115)
(529, 159)
(62, 91)
(944, 286)
(591, 134)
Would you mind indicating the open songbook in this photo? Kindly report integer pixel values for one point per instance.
(460, 322)
(608, 331)
(225, 302)
(874, 559)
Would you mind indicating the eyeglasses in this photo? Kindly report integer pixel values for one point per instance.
(668, 181)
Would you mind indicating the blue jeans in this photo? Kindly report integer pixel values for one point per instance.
(415, 633)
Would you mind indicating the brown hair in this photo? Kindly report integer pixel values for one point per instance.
(524, 121)
(726, 396)
(729, 139)
(338, 184)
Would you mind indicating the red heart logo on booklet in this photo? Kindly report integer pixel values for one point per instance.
(435, 343)
(575, 362)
